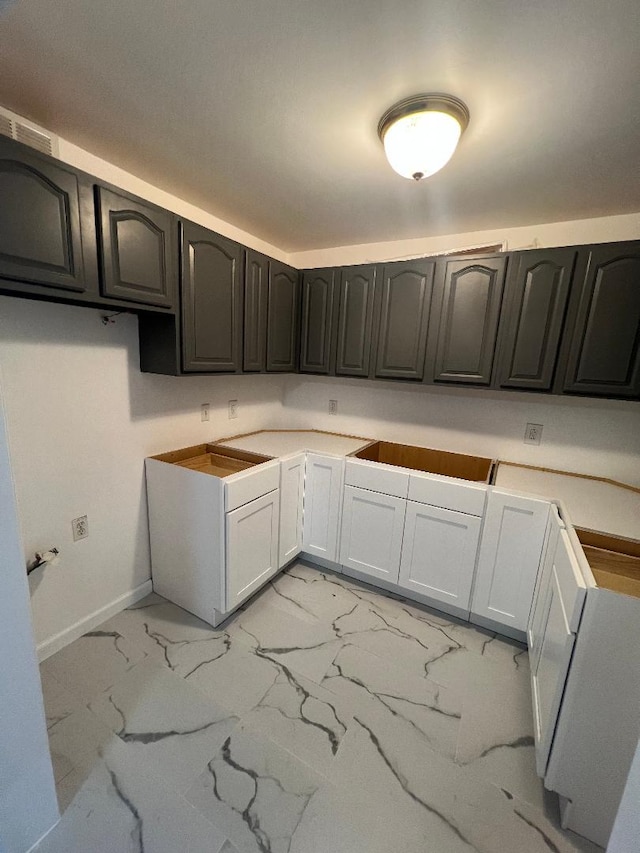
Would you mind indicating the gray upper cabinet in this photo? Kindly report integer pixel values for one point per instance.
(469, 294)
(355, 318)
(403, 305)
(211, 301)
(256, 298)
(283, 318)
(138, 249)
(40, 220)
(533, 313)
(318, 299)
(603, 355)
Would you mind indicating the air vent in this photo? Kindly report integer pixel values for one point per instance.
(16, 127)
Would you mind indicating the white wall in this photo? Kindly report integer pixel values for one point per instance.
(28, 805)
(626, 829)
(81, 419)
(600, 437)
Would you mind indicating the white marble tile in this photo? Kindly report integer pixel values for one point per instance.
(75, 742)
(59, 701)
(123, 807)
(256, 792)
(163, 718)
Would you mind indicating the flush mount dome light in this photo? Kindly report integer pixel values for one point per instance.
(421, 133)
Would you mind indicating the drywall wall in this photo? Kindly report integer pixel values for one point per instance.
(577, 232)
(81, 419)
(600, 437)
(28, 805)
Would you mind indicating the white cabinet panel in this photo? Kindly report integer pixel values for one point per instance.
(322, 505)
(252, 546)
(378, 477)
(248, 485)
(372, 529)
(537, 614)
(448, 493)
(291, 503)
(510, 553)
(439, 553)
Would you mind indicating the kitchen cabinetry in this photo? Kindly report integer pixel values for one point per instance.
(211, 301)
(256, 298)
(372, 528)
(465, 319)
(355, 317)
(322, 505)
(318, 298)
(292, 476)
(603, 343)
(533, 314)
(403, 307)
(510, 552)
(252, 547)
(283, 318)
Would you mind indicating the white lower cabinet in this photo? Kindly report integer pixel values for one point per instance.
(510, 552)
(372, 530)
(439, 554)
(252, 546)
(322, 503)
(292, 470)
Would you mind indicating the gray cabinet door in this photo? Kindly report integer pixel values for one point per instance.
(211, 301)
(355, 317)
(138, 249)
(404, 304)
(469, 296)
(256, 296)
(533, 313)
(318, 295)
(40, 234)
(604, 350)
(283, 318)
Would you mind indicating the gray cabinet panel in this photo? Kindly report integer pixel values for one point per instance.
(404, 304)
(318, 295)
(256, 296)
(533, 314)
(138, 249)
(470, 297)
(355, 317)
(604, 352)
(211, 301)
(283, 318)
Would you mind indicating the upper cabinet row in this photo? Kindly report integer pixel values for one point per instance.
(561, 320)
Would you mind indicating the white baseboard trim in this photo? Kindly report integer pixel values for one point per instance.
(52, 645)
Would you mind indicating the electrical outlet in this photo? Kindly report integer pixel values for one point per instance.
(333, 407)
(233, 409)
(204, 411)
(533, 434)
(80, 528)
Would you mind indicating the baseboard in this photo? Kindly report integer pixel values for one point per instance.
(63, 638)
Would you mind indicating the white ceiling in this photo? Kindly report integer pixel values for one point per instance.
(264, 112)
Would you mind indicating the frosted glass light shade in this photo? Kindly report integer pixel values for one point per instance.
(420, 134)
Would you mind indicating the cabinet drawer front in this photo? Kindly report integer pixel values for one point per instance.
(252, 547)
(372, 530)
(448, 494)
(377, 477)
(251, 484)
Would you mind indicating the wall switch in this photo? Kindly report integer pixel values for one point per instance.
(204, 411)
(533, 434)
(80, 528)
(333, 407)
(233, 409)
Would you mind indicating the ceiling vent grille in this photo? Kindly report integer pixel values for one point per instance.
(22, 130)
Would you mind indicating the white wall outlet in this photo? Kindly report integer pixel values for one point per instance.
(333, 407)
(233, 409)
(204, 411)
(80, 528)
(533, 434)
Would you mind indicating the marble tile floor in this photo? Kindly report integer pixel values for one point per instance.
(323, 716)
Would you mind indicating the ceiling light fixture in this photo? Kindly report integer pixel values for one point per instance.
(421, 133)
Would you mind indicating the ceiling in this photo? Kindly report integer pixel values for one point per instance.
(264, 112)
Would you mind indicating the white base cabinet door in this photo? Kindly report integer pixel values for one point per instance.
(372, 530)
(322, 505)
(439, 553)
(252, 546)
(510, 553)
(291, 507)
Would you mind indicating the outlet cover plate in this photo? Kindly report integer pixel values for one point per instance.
(80, 528)
(533, 434)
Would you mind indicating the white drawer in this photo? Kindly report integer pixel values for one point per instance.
(447, 493)
(377, 477)
(248, 485)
